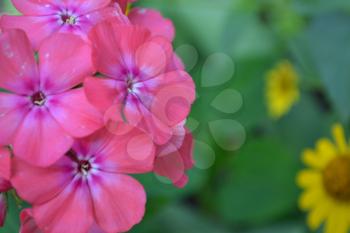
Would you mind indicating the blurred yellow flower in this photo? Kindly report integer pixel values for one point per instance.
(281, 89)
(326, 184)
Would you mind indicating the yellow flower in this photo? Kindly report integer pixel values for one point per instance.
(326, 184)
(281, 89)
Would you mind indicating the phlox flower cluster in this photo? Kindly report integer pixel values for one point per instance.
(92, 93)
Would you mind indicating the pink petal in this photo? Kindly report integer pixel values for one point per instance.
(5, 169)
(96, 229)
(119, 118)
(130, 153)
(87, 21)
(133, 38)
(39, 185)
(182, 182)
(100, 92)
(37, 28)
(18, 69)
(173, 99)
(85, 6)
(70, 212)
(159, 131)
(124, 111)
(153, 21)
(5, 163)
(28, 224)
(5, 185)
(170, 165)
(119, 202)
(66, 66)
(174, 164)
(74, 113)
(13, 109)
(41, 140)
(113, 52)
(106, 53)
(34, 7)
(175, 142)
(175, 64)
(153, 56)
(186, 150)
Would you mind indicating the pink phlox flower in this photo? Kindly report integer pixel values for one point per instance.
(42, 18)
(89, 185)
(44, 107)
(136, 87)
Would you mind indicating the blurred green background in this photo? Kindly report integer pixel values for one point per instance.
(246, 162)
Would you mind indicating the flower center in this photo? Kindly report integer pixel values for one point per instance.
(84, 166)
(130, 85)
(286, 84)
(336, 178)
(68, 19)
(38, 98)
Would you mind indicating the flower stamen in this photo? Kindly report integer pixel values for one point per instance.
(38, 98)
(84, 167)
(68, 19)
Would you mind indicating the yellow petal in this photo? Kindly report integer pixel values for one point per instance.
(326, 151)
(311, 198)
(337, 222)
(317, 216)
(314, 160)
(339, 136)
(309, 178)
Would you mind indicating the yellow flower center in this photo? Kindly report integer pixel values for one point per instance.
(286, 84)
(336, 178)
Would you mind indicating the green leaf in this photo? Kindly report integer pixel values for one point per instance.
(12, 222)
(290, 227)
(159, 187)
(311, 120)
(202, 19)
(246, 37)
(261, 186)
(314, 7)
(250, 82)
(329, 42)
(7, 7)
(178, 219)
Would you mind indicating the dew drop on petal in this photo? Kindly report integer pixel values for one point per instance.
(228, 134)
(217, 70)
(228, 101)
(204, 155)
